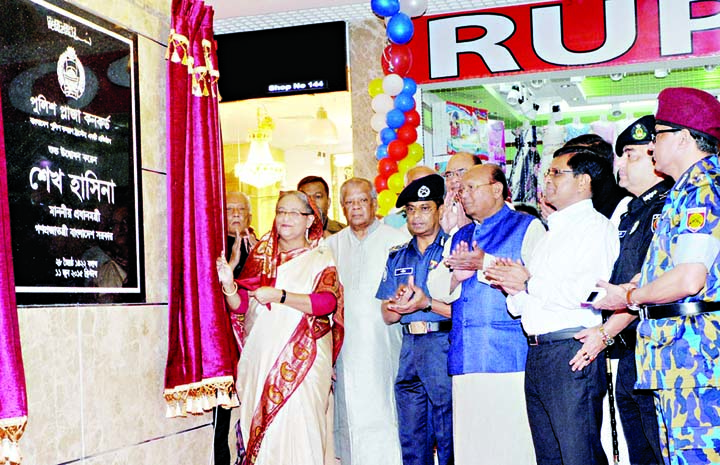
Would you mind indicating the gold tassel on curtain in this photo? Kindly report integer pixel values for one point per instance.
(198, 398)
(10, 432)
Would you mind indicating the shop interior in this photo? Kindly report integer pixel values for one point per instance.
(312, 134)
(511, 120)
(272, 143)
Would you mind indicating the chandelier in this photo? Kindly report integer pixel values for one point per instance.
(260, 169)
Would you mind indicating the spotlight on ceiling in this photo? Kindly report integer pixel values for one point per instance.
(537, 83)
(661, 73)
(556, 114)
(615, 110)
(616, 76)
(710, 68)
(514, 96)
(525, 105)
(532, 113)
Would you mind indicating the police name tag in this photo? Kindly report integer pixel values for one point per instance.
(403, 271)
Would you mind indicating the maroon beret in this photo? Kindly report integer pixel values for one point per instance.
(689, 108)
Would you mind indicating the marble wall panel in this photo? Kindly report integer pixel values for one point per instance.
(152, 71)
(155, 234)
(124, 351)
(50, 347)
(146, 17)
(187, 448)
(367, 40)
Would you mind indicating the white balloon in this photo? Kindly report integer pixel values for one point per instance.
(382, 103)
(392, 84)
(413, 8)
(377, 122)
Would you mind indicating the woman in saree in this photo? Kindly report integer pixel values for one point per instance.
(287, 292)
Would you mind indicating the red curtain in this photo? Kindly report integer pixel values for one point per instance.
(13, 397)
(202, 355)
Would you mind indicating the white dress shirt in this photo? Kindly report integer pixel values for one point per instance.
(579, 249)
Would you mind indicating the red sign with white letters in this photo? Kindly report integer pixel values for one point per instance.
(560, 35)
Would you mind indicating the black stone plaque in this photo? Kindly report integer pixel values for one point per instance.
(70, 121)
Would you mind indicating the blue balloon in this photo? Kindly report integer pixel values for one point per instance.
(385, 7)
(409, 86)
(404, 102)
(400, 29)
(381, 151)
(387, 135)
(395, 118)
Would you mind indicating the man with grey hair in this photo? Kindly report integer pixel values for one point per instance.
(366, 431)
(240, 240)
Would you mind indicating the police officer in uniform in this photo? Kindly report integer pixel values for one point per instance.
(423, 389)
(678, 293)
(636, 171)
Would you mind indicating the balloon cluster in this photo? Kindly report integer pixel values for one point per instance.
(393, 100)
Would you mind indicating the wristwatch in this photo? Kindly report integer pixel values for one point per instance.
(606, 337)
(631, 304)
(427, 309)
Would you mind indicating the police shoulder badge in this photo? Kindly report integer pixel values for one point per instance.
(639, 132)
(696, 218)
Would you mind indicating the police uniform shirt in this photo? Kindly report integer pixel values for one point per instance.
(405, 261)
(688, 232)
(636, 230)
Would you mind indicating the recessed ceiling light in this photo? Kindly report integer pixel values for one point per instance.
(616, 76)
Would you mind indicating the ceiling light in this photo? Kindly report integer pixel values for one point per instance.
(615, 110)
(322, 130)
(710, 68)
(556, 114)
(260, 169)
(525, 105)
(514, 96)
(532, 113)
(661, 73)
(616, 76)
(537, 83)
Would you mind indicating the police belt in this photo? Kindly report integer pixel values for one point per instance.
(655, 312)
(424, 327)
(555, 336)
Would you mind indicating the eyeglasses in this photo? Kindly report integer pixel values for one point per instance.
(554, 172)
(292, 214)
(661, 131)
(474, 187)
(423, 210)
(458, 173)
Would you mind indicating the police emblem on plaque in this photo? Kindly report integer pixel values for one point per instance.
(71, 74)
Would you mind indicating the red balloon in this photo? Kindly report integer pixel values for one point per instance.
(412, 118)
(397, 59)
(407, 133)
(397, 150)
(380, 183)
(386, 167)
